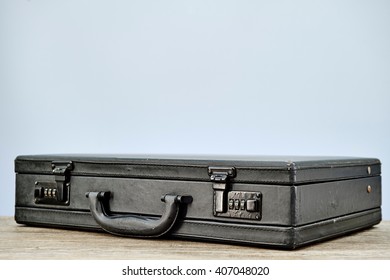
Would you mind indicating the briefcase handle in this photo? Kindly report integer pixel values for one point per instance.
(130, 225)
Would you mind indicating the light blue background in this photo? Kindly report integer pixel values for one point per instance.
(220, 77)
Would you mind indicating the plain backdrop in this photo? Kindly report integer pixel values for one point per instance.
(194, 77)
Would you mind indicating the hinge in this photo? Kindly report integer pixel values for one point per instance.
(58, 192)
(220, 177)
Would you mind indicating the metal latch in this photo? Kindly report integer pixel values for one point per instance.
(57, 192)
(220, 178)
(233, 204)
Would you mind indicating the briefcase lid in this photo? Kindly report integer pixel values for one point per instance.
(248, 169)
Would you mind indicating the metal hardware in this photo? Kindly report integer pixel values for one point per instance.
(243, 205)
(252, 205)
(57, 192)
(369, 189)
(220, 177)
(369, 170)
(233, 204)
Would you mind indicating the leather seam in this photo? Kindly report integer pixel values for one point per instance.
(270, 168)
(325, 223)
(288, 229)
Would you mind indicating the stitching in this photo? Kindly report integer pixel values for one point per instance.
(267, 168)
(134, 176)
(179, 222)
(23, 208)
(288, 230)
(238, 227)
(235, 240)
(287, 167)
(343, 219)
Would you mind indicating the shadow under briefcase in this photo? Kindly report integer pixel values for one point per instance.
(282, 202)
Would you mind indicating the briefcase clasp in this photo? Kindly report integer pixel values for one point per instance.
(57, 192)
(233, 204)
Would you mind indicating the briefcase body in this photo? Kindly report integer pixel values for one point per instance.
(282, 202)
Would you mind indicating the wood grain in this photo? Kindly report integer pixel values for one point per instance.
(24, 242)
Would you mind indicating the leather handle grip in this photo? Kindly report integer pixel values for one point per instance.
(127, 225)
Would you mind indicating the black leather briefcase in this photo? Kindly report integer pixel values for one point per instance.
(270, 201)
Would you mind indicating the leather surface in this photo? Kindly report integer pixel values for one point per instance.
(273, 170)
(303, 199)
(275, 236)
(281, 205)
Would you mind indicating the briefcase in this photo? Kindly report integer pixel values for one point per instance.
(284, 202)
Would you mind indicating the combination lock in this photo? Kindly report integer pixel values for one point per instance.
(243, 205)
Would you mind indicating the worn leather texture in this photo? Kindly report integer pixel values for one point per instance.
(304, 199)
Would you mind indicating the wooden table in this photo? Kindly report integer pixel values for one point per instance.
(23, 242)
